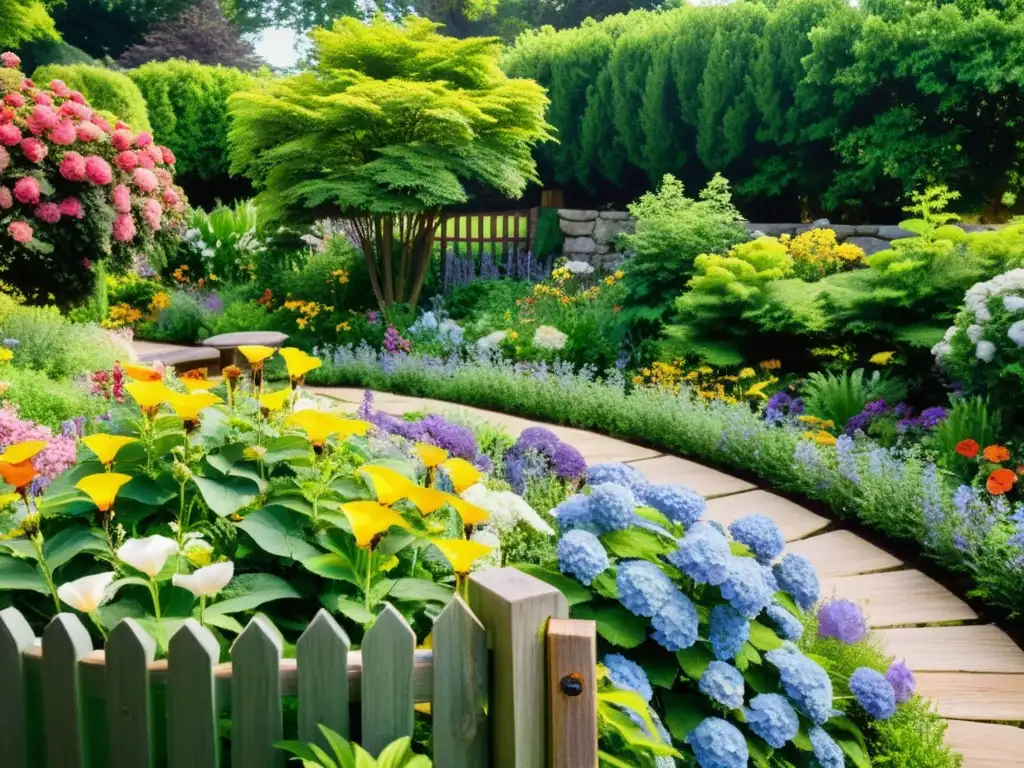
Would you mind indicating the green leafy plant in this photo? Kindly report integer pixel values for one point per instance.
(105, 89)
(343, 754)
(838, 397)
(970, 418)
(226, 240)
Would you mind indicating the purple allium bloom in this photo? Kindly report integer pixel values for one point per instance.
(806, 684)
(728, 632)
(484, 464)
(73, 427)
(213, 303)
(873, 692)
(643, 588)
(703, 555)
(568, 463)
(932, 417)
(611, 507)
(826, 751)
(723, 684)
(627, 675)
(678, 503)
(842, 620)
(582, 556)
(902, 681)
(761, 534)
(717, 743)
(373, 317)
(773, 718)
(675, 624)
(538, 439)
(454, 438)
(798, 578)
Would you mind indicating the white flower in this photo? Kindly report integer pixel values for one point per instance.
(493, 558)
(549, 337)
(506, 509)
(579, 267)
(206, 581)
(148, 555)
(1013, 303)
(977, 297)
(974, 333)
(1016, 333)
(491, 341)
(87, 593)
(985, 351)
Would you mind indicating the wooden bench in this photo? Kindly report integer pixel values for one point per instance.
(227, 344)
(184, 359)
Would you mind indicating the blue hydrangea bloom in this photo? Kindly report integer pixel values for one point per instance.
(717, 743)
(799, 579)
(723, 683)
(643, 587)
(842, 620)
(873, 692)
(805, 682)
(787, 626)
(675, 625)
(611, 507)
(573, 512)
(761, 534)
(773, 718)
(703, 555)
(746, 587)
(826, 751)
(628, 675)
(902, 681)
(619, 474)
(679, 503)
(582, 556)
(728, 632)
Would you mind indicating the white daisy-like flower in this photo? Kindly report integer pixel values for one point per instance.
(491, 341)
(580, 268)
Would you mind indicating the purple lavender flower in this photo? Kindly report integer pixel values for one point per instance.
(568, 463)
(538, 439)
(457, 440)
(902, 681)
(213, 303)
(842, 620)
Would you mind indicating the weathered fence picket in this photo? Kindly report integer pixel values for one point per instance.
(486, 679)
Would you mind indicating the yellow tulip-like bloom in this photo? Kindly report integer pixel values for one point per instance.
(462, 473)
(141, 372)
(275, 401)
(149, 395)
(319, 426)
(256, 355)
(106, 446)
(103, 488)
(461, 554)
(427, 500)
(18, 453)
(16, 465)
(882, 358)
(389, 484)
(298, 363)
(188, 407)
(471, 514)
(431, 455)
(370, 519)
(198, 385)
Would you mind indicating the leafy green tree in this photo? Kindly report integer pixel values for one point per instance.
(384, 133)
(110, 27)
(22, 21)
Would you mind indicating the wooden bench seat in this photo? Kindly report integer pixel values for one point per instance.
(184, 359)
(227, 344)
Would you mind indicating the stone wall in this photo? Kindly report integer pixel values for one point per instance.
(590, 235)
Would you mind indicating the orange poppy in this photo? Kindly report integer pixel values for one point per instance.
(968, 448)
(141, 372)
(1001, 481)
(996, 454)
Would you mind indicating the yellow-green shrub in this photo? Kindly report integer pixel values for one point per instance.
(104, 89)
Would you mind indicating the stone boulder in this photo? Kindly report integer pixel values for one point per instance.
(571, 228)
(894, 233)
(615, 215)
(569, 214)
(577, 246)
(607, 230)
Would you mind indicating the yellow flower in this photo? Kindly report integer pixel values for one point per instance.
(882, 358)
(16, 465)
(513, 335)
(462, 473)
(705, 369)
(808, 419)
(461, 554)
(824, 438)
(256, 355)
(770, 365)
(188, 407)
(748, 373)
(370, 519)
(103, 488)
(298, 362)
(6, 355)
(619, 274)
(390, 485)
(431, 455)
(471, 514)
(320, 426)
(275, 401)
(757, 390)
(141, 372)
(22, 452)
(106, 446)
(198, 385)
(427, 500)
(149, 395)
(343, 326)
(828, 424)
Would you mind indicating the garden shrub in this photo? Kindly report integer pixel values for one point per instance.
(548, 237)
(106, 90)
(187, 319)
(48, 401)
(817, 254)
(486, 300)
(837, 398)
(226, 241)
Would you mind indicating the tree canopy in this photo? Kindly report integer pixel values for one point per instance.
(22, 21)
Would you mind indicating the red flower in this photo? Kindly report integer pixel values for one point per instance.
(1001, 481)
(48, 213)
(968, 448)
(121, 139)
(71, 206)
(10, 134)
(20, 231)
(996, 454)
(63, 133)
(127, 161)
(14, 99)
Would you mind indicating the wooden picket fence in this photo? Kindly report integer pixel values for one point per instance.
(495, 680)
(500, 233)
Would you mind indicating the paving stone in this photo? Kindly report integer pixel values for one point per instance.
(971, 696)
(899, 598)
(971, 648)
(842, 553)
(610, 450)
(794, 521)
(706, 481)
(985, 745)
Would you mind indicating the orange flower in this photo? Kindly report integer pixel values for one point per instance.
(1001, 481)
(968, 448)
(232, 372)
(141, 372)
(996, 454)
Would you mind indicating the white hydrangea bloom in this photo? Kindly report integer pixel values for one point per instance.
(976, 299)
(1013, 303)
(506, 509)
(1016, 333)
(974, 333)
(491, 341)
(985, 351)
(549, 337)
(943, 348)
(580, 268)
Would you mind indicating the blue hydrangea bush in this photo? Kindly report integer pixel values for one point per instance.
(702, 632)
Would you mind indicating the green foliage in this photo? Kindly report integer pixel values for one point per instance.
(24, 20)
(398, 754)
(840, 397)
(485, 300)
(548, 237)
(408, 116)
(970, 418)
(188, 108)
(46, 400)
(227, 240)
(186, 321)
(104, 89)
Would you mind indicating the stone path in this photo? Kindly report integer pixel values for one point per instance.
(973, 671)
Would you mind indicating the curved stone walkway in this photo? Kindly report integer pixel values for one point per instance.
(973, 671)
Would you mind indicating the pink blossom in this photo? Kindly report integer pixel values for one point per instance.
(6, 115)
(98, 170)
(88, 132)
(163, 177)
(123, 126)
(20, 231)
(5, 159)
(124, 228)
(126, 161)
(60, 88)
(72, 208)
(152, 213)
(121, 139)
(171, 198)
(48, 213)
(145, 161)
(43, 118)
(155, 153)
(6, 200)
(122, 199)
(14, 429)
(101, 123)
(169, 158)
(88, 265)
(27, 84)
(160, 367)
(14, 100)
(145, 180)
(10, 60)
(73, 167)
(41, 97)
(63, 133)
(78, 98)
(34, 150)
(10, 134)
(144, 139)
(27, 191)
(73, 109)
(59, 456)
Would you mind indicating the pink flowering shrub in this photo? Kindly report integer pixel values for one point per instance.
(54, 460)
(75, 190)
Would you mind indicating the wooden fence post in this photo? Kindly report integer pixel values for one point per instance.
(257, 718)
(572, 693)
(192, 737)
(515, 608)
(15, 637)
(387, 685)
(65, 642)
(460, 688)
(130, 714)
(322, 654)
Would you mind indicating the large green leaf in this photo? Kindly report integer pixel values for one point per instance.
(763, 638)
(227, 495)
(145, 490)
(277, 531)
(355, 611)
(620, 627)
(20, 574)
(574, 592)
(637, 543)
(71, 542)
(420, 590)
(661, 666)
(333, 566)
(683, 713)
(286, 448)
(695, 660)
(855, 752)
(251, 591)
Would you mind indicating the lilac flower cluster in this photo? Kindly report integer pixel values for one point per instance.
(394, 342)
(826, 751)
(761, 534)
(678, 503)
(628, 675)
(842, 620)
(717, 743)
(537, 451)
(781, 408)
(773, 718)
(703, 555)
(729, 630)
(582, 556)
(806, 684)
(723, 683)
(902, 680)
(799, 579)
(748, 587)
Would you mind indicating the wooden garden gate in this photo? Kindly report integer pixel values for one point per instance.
(501, 233)
(510, 680)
